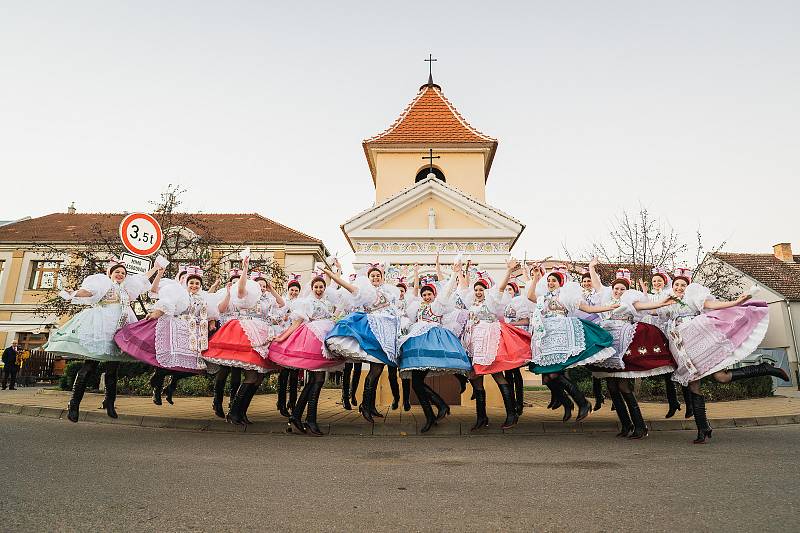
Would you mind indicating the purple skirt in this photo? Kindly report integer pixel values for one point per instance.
(139, 341)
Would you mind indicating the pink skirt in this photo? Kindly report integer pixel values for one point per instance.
(139, 341)
(302, 350)
(715, 340)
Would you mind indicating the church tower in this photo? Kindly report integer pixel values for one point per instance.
(430, 170)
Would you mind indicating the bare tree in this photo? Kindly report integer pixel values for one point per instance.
(724, 282)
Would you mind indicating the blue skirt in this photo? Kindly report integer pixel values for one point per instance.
(437, 349)
(352, 339)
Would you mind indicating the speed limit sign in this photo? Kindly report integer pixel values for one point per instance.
(140, 233)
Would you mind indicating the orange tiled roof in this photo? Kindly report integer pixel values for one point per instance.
(232, 228)
(780, 276)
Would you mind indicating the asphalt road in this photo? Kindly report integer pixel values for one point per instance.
(57, 476)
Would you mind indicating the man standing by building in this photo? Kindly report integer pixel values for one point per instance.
(10, 366)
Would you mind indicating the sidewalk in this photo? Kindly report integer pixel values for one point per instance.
(196, 414)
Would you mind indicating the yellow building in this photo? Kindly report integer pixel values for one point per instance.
(34, 250)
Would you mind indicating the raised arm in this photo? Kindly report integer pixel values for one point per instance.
(713, 305)
(439, 274)
(597, 283)
(241, 290)
(586, 308)
(278, 298)
(534, 281)
(511, 266)
(226, 300)
(157, 280)
(214, 286)
(349, 287)
(649, 306)
(416, 280)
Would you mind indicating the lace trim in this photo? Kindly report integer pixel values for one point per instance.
(483, 342)
(635, 373)
(238, 364)
(563, 338)
(259, 333)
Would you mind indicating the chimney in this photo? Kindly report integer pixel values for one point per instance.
(783, 251)
(71, 208)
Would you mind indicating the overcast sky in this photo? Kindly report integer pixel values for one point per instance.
(688, 108)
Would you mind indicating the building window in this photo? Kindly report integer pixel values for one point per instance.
(422, 174)
(31, 341)
(44, 275)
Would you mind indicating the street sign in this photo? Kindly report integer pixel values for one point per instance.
(141, 234)
(135, 264)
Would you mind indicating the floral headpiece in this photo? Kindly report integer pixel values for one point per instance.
(193, 272)
(115, 262)
(257, 275)
(235, 273)
(623, 276)
(294, 279)
(484, 279)
(683, 273)
(664, 275)
(514, 286)
(381, 267)
(561, 273)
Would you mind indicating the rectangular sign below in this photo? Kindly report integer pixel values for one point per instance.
(135, 264)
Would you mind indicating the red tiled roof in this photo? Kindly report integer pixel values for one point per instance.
(230, 228)
(430, 120)
(779, 276)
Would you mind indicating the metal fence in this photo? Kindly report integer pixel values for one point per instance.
(39, 366)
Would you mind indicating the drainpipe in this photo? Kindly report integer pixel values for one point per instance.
(794, 337)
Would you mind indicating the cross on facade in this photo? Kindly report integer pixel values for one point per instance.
(430, 61)
(430, 157)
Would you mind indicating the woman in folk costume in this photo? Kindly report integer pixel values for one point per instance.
(175, 333)
(287, 378)
(641, 348)
(659, 289)
(243, 341)
(221, 372)
(493, 345)
(516, 313)
(560, 340)
(369, 335)
(89, 335)
(351, 375)
(590, 297)
(301, 347)
(402, 307)
(432, 345)
(707, 336)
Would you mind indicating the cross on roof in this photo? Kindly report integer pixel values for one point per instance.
(430, 61)
(430, 157)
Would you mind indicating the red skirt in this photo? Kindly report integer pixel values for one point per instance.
(513, 352)
(230, 346)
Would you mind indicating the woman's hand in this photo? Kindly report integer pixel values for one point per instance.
(154, 314)
(512, 265)
(743, 298)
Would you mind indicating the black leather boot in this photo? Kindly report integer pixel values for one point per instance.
(622, 414)
(519, 391)
(354, 383)
(237, 403)
(700, 419)
(171, 388)
(639, 427)
(753, 371)
(366, 401)
(157, 382)
(250, 393)
(510, 405)
(311, 413)
(482, 420)
(297, 413)
(687, 400)
(584, 408)
(672, 396)
(462, 382)
(78, 389)
(346, 390)
(292, 390)
(406, 383)
(236, 380)
(425, 404)
(219, 391)
(560, 399)
(283, 380)
(442, 409)
(597, 390)
(111, 389)
(395, 386)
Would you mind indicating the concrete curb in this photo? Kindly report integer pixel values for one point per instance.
(525, 427)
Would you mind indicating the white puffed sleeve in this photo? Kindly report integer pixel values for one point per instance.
(412, 306)
(571, 296)
(603, 296)
(212, 303)
(136, 285)
(392, 291)
(365, 293)
(466, 295)
(541, 287)
(522, 306)
(98, 285)
(696, 296)
(302, 309)
(632, 296)
(173, 298)
(251, 296)
(444, 301)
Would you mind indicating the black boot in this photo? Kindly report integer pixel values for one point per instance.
(639, 427)
(687, 400)
(560, 399)
(395, 386)
(622, 414)
(297, 413)
(292, 390)
(482, 420)
(366, 401)
(219, 391)
(462, 382)
(700, 419)
(406, 394)
(157, 382)
(236, 380)
(753, 371)
(425, 404)
(672, 396)
(251, 391)
(78, 389)
(171, 388)
(584, 408)
(510, 405)
(311, 414)
(237, 405)
(442, 409)
(111, 389)
(283, 379)
(346, 390)
(597, 390)
(519, 391)
(354, 383)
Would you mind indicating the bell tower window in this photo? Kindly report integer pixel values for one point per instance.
(423, 173)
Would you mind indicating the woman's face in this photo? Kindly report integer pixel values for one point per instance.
(658, 283)
(510, 290)
(294, 290)
(618, 289)
(552, 282)
(194, 286)
(402, 291)
(376, 278)
(319, 288)
(118, 274)
(479, 292)
(263, 285)
(586, 283)
(679, 287)
(182, 278)
(427, 296)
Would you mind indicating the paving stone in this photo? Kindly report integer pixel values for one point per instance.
(52, 412)
(745, 422)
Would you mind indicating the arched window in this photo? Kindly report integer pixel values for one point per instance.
(423, 173)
